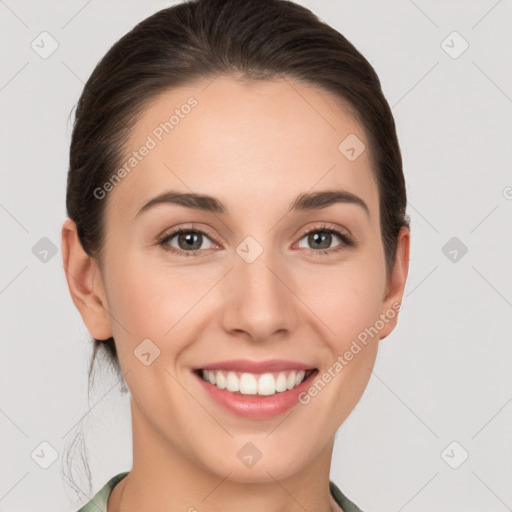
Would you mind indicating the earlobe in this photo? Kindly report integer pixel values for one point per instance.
(85, 283)
(396, 282)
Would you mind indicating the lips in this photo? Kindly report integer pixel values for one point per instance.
(266, 401)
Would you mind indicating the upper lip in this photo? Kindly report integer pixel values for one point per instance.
(246, 365)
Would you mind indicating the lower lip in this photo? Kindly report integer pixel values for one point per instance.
(259, 407)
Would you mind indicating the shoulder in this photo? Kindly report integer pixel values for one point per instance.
(342, 500)
(98, 503)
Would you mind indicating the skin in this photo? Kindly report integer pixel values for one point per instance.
(255, 147)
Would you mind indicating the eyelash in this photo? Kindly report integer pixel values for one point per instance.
(346, 240)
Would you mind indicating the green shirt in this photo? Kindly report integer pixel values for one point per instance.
(99, 501)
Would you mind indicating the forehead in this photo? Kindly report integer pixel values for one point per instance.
(260, 142)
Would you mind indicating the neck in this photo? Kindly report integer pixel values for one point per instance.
(164, 475)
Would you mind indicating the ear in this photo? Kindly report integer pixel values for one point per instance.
(396, 283)
(85, 283)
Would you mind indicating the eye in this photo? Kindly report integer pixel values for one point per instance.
(188, 241)
(321, 238)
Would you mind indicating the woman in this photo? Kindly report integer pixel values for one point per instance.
(238, 244)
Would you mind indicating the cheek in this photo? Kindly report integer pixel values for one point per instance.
(155, 300)
(347, 298)
(135, 300)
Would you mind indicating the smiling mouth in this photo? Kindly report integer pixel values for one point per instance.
(255, 384)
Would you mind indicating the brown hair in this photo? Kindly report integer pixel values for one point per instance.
(202, 39)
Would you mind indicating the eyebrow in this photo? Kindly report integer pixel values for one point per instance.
(304, 202)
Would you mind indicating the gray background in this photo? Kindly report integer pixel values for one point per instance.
(442, 376)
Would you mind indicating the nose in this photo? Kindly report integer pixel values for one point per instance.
(258, 299)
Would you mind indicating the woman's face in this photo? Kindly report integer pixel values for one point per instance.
(253, 285)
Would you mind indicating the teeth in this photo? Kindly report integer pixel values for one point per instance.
(220, 380)
(248, 384)
(232, 381)
(281, 382)
(255, 384)
(266, 384)
(290, 383)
